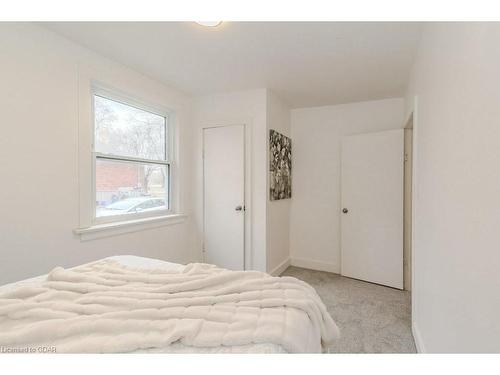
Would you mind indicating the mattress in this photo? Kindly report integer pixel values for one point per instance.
(177, 347)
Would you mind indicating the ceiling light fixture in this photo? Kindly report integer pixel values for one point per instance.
(209, 23)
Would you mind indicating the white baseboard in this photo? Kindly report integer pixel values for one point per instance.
(418, 338)
(315, 265)
(280, 268)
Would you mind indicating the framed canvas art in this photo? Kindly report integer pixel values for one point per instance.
(280, 166)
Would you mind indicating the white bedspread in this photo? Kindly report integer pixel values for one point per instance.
(107, 307)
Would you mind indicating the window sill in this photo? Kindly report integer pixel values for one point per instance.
(121, 227)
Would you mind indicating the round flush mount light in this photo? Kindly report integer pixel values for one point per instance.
(209, 23)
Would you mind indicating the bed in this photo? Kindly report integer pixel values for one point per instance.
(142, 305)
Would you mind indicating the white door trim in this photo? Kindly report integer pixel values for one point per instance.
(247, 125)
(414, 199)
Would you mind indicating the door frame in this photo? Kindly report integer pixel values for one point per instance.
(407, 199)
(412, 114)
(247, 213)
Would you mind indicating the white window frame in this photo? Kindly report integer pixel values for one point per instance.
(106, 93)
(113, 86)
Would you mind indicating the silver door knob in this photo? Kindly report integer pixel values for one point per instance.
(345, 210)
(238, 208)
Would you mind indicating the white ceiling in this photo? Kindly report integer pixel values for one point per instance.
(305, 63)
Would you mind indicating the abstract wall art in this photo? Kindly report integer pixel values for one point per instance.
(280, 166)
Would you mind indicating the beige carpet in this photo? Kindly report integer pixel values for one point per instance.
(371, 318)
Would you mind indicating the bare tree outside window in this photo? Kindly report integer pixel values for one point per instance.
(131, 158)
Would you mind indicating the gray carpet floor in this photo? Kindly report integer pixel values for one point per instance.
(371, 318)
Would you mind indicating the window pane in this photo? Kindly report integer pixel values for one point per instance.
(124, 187)
(128, 131)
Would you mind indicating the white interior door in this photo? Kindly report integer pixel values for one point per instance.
(224, 192)
(372, 207)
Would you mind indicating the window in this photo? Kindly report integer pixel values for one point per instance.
(131, 160)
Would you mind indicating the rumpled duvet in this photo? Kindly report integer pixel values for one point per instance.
(105, 307)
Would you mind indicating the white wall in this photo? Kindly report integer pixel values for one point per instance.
(249, 108)
(456, 286)
(315, 207)
(278, 212)
(38, 158)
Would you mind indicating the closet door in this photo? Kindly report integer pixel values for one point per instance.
(224, 196)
